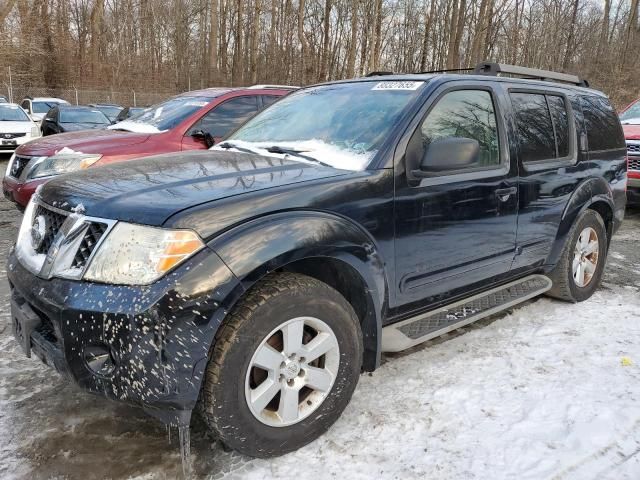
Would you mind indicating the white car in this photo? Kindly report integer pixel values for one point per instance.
(16, 128)
(37, 107)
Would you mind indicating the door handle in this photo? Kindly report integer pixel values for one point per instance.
(503, 194)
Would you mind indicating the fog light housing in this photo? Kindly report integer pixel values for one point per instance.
(99, 360)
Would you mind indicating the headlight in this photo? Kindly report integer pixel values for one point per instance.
(61, 163)
(139, 255)
(35, 131)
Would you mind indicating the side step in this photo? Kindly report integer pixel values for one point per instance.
(412, 331)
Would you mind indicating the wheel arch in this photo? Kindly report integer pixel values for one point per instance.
(324, 246)
(593, 193)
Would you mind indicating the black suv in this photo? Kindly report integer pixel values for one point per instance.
(348, 219)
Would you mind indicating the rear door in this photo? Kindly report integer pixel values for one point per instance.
(456, 229)
(221, 120)
(547, 123)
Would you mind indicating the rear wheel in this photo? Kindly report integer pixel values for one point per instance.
(579, 270)
(284, 366)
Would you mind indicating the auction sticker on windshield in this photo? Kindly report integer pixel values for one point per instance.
(397, 86)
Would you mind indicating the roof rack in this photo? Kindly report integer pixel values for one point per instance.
(276, 87)
(447, 70)
(378, 74)
(491, 68)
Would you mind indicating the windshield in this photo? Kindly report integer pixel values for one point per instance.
(109, 111)
(343, 125)
(632, 114)
(81, 115)
(170, 113)
(133, 111)
(12, 113)
(42, 107)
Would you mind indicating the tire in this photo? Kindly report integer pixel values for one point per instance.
(565, 286)
(232, 377)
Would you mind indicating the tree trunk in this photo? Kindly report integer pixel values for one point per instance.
(351, 54)
(325, 40)
(237, 69)
(428, 20)
(571, 40)
(304, 44)
(214, 20)
(254, 41)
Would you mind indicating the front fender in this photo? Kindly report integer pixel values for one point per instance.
(268, 243)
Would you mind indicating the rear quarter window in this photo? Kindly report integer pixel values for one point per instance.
(602, 124)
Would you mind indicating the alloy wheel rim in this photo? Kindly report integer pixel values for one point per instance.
(585, 257)
(292, 371)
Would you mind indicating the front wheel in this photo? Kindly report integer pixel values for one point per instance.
(579, 270)
(283, 367)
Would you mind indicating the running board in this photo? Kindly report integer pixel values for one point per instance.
(412, 331)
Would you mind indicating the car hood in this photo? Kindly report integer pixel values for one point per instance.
(631, 132)
(86, 141)
(150, 190)
(15, 127)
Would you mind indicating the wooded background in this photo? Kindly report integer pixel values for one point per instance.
(173, 45)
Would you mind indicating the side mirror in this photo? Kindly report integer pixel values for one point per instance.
(48, 120)
(205, 136)
(445, 154)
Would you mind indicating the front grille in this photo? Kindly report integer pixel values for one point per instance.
(633, 148)
(9, 136)
(634, 163)
(91, 238)
(18, 166)
(53, 222)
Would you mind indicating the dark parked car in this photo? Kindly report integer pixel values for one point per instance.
(347, 219)
(128, 112)
(72, 118)
(111, 110)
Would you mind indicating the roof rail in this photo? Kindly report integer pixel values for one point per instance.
(276, 87)
(491, 68)
(378, 74)
(447, 70)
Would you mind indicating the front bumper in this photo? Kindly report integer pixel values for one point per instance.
(10, 145)
(20, 193)
(158, 336)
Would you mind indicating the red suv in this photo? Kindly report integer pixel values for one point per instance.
(192, 120)
(630, 119)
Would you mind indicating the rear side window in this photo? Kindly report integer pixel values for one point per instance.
(226, 117)
(543, 126)
(603, 127)
(268, 100)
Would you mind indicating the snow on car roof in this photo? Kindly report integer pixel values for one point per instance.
(206, 92)
(48, 99)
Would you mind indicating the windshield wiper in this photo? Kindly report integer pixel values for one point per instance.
(295, 153)
(228, 145)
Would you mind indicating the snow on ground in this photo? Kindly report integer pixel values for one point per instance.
(539, 393)
(548, 391)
